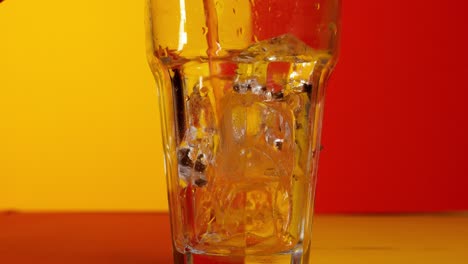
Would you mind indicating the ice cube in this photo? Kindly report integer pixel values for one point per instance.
(282, 48)
(299, 76)
(192, 169)
(246, 85)
(196, 149)
(238, 121)
(277, 73)
(259, 210)
(241, 118)
(278, 128)
(282, 209)
(201, 115)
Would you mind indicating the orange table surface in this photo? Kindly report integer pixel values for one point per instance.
(140, 238)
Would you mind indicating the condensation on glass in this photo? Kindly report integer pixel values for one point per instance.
(241, 87)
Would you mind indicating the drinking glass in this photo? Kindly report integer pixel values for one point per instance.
(241, 87)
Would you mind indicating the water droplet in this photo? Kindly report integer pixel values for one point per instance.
(317, 6)
(240, 31)
(234, 10)
(205, 30)
(332, 27)
(298, 125)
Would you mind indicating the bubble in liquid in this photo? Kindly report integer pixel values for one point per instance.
(199, 165)
(201, 182)
(184, 158)
(278, 144)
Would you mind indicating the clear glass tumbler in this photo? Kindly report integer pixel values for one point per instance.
(241, 86)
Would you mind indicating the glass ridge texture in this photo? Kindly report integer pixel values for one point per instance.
(241, 86)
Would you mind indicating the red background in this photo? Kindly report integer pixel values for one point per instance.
(395, 128)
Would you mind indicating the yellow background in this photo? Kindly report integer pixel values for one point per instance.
(79, 126)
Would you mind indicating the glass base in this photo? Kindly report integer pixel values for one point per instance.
(295, 257)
